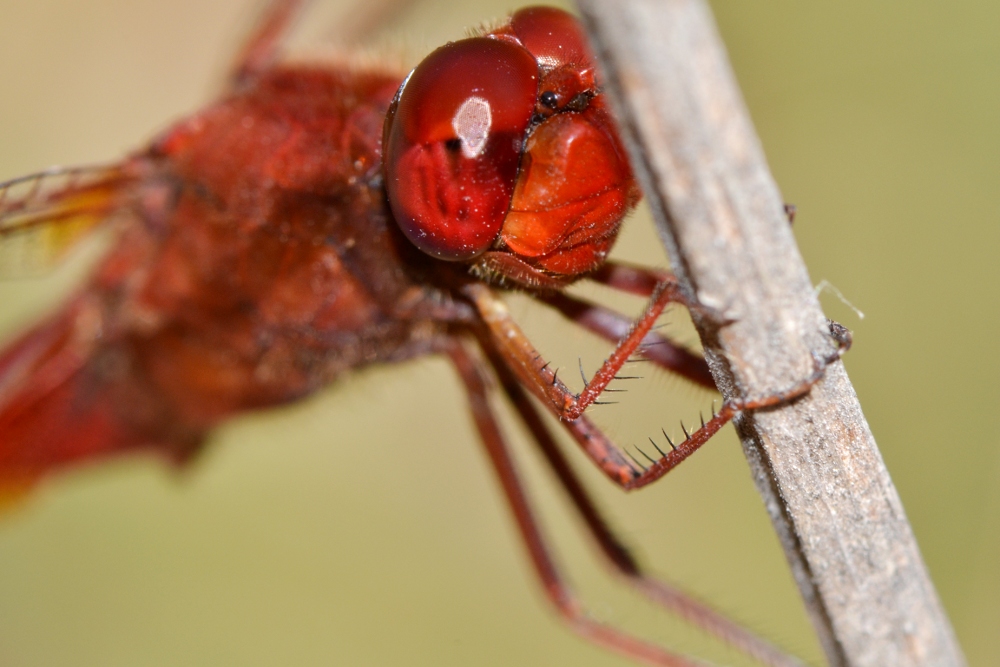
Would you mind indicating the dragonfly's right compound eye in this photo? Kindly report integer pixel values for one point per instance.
(453, 141)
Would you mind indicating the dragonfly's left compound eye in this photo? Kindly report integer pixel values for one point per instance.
(452, 144)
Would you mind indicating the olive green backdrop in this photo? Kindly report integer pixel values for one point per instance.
(363, 527)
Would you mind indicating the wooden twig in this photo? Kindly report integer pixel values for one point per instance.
(721, 216)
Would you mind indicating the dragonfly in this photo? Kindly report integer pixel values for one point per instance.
(318, 219)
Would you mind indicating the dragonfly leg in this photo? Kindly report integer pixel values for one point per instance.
(617, 554)
(528, 365)
(263, 45)
(555, 587)
(631, 474)
(613, 326)
(508, 343)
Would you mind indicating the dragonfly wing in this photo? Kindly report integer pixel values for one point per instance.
(66, 398)
(44, 216)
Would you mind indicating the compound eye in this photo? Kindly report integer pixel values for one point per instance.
(554, 37)
(453, 141)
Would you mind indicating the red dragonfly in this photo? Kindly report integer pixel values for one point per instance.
(315, 220)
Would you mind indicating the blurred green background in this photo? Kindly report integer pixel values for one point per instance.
(363, 527)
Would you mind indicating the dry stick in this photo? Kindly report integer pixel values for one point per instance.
(815, 462)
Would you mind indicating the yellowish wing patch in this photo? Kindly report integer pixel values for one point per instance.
(44, 216)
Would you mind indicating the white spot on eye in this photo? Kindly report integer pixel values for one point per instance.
(547, 62)
(472, 124)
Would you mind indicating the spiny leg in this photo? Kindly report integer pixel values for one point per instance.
(555, 588)
(613, 326)
(507, 341)
(635, 475)
(534, 372)
(618, 556)
(518, 354)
